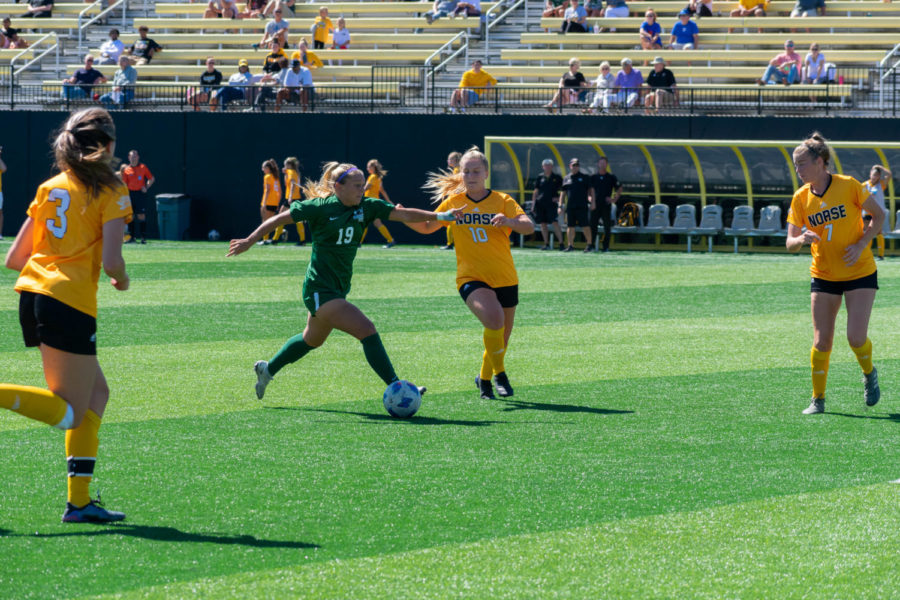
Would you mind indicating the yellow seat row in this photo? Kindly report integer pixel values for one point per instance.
(381, 87)
(668, 8)
(155, 71)
(683, 73)
(244, 40)
(718, 23)
(679, 56)
(725, 90)
(46, 24)
(335, 9)
(232, 55)
(74, 9)
(756, 40)
(303, 25)
(7, 54)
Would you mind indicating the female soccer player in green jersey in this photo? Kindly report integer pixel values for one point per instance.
(337, 214)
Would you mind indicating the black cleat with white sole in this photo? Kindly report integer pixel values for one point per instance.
(485, 387)
(504, 389)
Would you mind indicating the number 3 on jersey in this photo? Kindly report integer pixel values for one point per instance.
(59, 225)
(478, 234)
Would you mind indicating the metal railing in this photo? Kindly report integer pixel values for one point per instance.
(431, 71)
(84, 14)
(52, 45)
(7, 83)
(887, 74)
(490, 22)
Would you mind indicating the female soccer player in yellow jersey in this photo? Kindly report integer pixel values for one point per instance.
(485, 273)
(879, 177)
(75, 223)
(830, 207)
(337, 213)
(375, 189)
(291, 192)
(453, 166)
(271, 197)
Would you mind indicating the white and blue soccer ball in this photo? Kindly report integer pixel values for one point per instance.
(213, 235)
(402, 399)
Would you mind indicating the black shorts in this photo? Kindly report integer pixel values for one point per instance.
(839, 287)
(577, 217)
(271, 208)
(46, 320)
(138, 201)
(508, 296)
(545, 212)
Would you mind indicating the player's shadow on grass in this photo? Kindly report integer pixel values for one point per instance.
(561, 408)
(415, 420)
(172, 534)
(895, 417)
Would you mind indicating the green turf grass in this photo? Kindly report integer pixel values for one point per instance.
(654, 448)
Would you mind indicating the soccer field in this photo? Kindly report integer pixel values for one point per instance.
(654, 447)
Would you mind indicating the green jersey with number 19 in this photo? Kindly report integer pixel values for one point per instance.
(336, 230)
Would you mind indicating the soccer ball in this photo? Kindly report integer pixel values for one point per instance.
(213, 235)
(402, 399)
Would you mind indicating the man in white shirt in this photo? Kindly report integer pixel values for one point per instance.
(298, 86)
(111, 49)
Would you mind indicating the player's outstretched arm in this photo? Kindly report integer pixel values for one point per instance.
(423, 221)
(242, 245)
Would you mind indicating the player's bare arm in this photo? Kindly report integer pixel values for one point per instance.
(797, 238)
(242, 245)
(854, 251)
(520, 223)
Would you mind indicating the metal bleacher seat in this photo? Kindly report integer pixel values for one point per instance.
(657, 219)
(770, 222)
(741, 224)
(895, 233)
(710, 223)
(685, 222)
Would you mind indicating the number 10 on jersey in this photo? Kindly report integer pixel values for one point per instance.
(479, 235)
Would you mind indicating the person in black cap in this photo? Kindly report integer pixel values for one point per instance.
(576, 196)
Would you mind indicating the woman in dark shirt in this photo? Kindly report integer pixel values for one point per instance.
(210, 80)
(573, 87)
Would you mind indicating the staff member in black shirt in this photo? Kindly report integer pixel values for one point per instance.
(607, 191)
(545, 202)
(663, 91)
(576, 196)
(210, 80)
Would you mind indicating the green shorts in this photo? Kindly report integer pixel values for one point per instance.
(314, 297)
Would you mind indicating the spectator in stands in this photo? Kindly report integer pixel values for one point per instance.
(271, 64)
(605, 86)
(784, 68)
(616, 9)
(701, 8)
(253, 9)
(685, 33)
(12, 36)
(286, 6)
(467, 8)
(473, 84)
(651, 31)
(441, 8)
(38, 9)
(577, 197)
(276, 29)
(81, 84)
(545, 203)
(628, 84)
(341, 38)
(111, 49)
(573, 87)
(238, 85)
(606, 190)
(749, 8)
(143, 49)
(210, 80)
(269, 82)
(555, 8)
(594, 8)
(123, 82)
(4, 42)
(814, 70)
(574, 19)
(225, 9)
(306, 57)
(663, 90)
(322, 29)
(804, 7)
(298, 86)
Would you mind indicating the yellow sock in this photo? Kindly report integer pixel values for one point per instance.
(301, 231)
(365, 231)
(819, 363)
(487, 367)
(387, 234)
(36, 403)
(449, 236)
(494, 347)
(879, 239)
(278, 231)
(864, 356)
(81, 455)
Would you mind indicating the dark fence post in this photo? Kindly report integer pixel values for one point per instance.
(759, 94)
(894, 94)
(372, 90)
(691, 90)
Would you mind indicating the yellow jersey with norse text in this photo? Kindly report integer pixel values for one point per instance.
(836, 217)
(67, 240)
(482, 250)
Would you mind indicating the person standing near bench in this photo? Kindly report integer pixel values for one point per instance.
(830, 207)
(879, 177)
(607, 191)
(576, 198)
(138, 179)
(545, 203)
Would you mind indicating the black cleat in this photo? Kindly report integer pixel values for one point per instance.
(504, 389)
(484, 386)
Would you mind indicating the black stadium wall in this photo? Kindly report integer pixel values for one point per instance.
(216, 158)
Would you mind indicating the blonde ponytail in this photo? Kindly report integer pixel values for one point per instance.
(324, 187)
